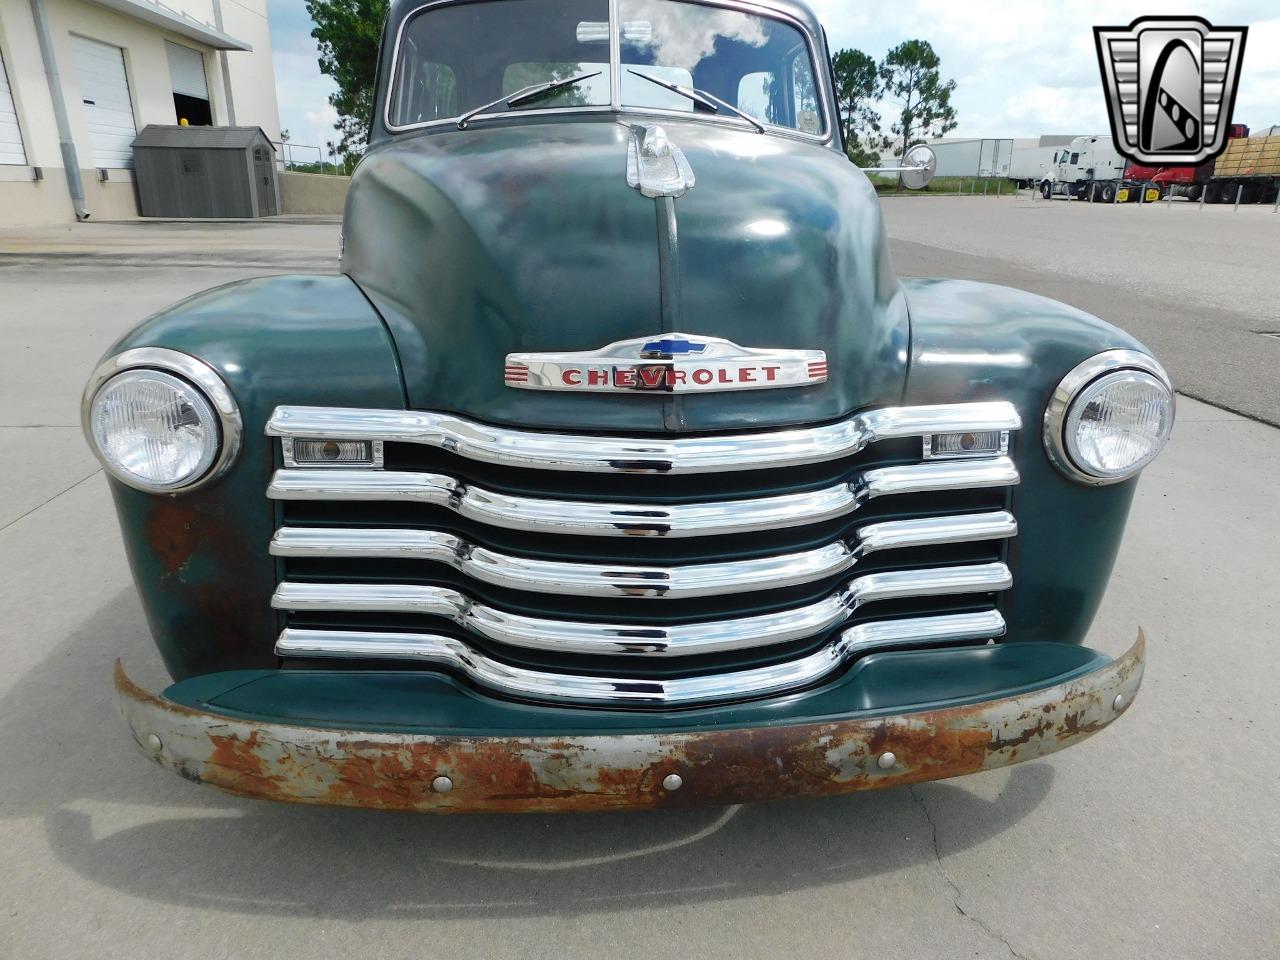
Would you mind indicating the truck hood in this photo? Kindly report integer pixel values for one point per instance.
(526, 237)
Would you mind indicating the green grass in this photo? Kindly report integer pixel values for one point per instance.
(996, 186)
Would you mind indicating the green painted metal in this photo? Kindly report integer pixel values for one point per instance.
(427, 703)
(527, 237)
(978, 341)
(200, 559)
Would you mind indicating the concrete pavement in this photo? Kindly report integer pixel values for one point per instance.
(1196, 285)
(1155, 839)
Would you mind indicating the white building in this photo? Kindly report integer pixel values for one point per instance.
(80, 78)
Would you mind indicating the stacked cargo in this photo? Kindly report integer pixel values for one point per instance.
(1249, 168)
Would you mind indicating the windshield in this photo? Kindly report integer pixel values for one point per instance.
(458, 57)
(759, 65)
(455, 58)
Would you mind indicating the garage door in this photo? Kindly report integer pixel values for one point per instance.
(10, 136)
(105, 92)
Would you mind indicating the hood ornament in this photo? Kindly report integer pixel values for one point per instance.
(656, 166)
(667, 363)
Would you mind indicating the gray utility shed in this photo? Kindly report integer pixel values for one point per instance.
(206, 172)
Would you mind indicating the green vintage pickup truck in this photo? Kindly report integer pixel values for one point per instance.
(617, 468)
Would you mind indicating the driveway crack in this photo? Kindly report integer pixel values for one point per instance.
(955, 887)
(50, 500)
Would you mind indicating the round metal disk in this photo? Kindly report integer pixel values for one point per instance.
(886, 760)
(441, 784)
(672, 781)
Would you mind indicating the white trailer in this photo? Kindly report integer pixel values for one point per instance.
(971, 157)
(1030, 162)
(1087, 166)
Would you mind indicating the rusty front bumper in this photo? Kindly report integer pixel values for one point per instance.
(400, 771)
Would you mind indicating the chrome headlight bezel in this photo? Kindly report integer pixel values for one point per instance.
(195, 373)
(1057, 414)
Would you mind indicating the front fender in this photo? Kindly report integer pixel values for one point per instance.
(200, 558)
(979, 341)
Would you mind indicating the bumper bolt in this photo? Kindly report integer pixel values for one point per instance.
(152, 743)
(886, 760)
(1118, 702)
(441, 784)
(672, 781)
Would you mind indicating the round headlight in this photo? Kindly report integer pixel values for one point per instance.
(160, 420)
(1119, 423)
(153, 430)
(1109, 417)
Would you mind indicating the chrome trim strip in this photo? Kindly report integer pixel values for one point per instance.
(679, 640)
(596, 454)
(1064, 395)
(195, 371)
(736, 685)
(647, 582)
(639, 519)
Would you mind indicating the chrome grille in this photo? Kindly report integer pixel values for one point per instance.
(639, 571)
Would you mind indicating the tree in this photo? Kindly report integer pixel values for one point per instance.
(909, 76)
(857, 87)
(348, 32)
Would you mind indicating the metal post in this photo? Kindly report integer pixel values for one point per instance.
(70, 161)
(1239, 191)
(1142, 195)
(226, 72)
(1168, 197)
(985, 184)
(1203, 190)
(1277, 204)
(959, 184)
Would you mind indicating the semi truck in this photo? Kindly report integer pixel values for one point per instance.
(1190, 182)
(1087, 167)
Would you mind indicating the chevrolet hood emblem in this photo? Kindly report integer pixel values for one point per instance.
(670, 363)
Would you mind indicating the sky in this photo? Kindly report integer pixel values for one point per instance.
(1021, 68)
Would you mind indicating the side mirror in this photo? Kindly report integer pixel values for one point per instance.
(919, 164)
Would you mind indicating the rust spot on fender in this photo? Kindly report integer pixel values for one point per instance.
(170, 535)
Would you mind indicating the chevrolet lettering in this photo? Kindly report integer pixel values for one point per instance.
(617, 467)
(673, 364)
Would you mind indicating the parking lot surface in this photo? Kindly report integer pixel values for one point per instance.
(1155, 839)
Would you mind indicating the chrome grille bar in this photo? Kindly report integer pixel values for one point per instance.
(568, 636)
(649, 520)
(681, 691)
(614, 580)
(584, 452)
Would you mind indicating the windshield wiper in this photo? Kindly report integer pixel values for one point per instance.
(701, 97)
(526, 94)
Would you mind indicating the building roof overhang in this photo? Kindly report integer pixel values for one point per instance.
(158, 15)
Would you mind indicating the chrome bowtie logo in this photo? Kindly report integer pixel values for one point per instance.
(1171, 85)
(671, 347)
(672, 363)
